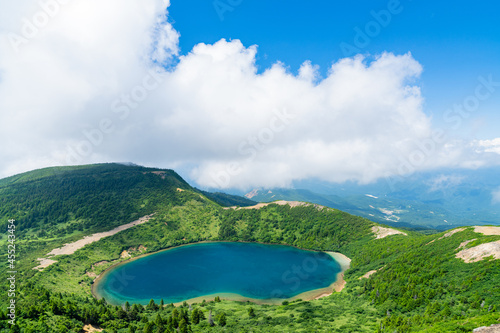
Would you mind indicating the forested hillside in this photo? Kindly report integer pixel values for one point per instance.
(417, 283)
(56, 202)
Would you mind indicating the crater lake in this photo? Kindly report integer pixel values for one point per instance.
(238, 271)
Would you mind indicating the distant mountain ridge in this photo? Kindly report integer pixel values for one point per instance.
(442, 199)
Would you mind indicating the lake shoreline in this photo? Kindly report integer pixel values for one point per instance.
(336, 286)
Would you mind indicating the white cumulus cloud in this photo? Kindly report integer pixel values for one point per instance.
(489, 146)
(103, 81)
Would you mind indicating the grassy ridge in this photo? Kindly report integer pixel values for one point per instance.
(57, 202)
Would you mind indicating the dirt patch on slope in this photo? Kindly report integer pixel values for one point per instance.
(292, 204)
(448, 234)
(252, 194)
(488, 231)
(488, 329)
(478, 253)
(451, 233)
(464, 244)
(71, 248)
(44, 262)
(368, 274)
(125, 254)
(382, 232)
(91, 329)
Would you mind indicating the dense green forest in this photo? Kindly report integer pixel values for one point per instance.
(419, 286)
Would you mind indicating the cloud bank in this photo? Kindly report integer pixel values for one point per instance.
(103, 81)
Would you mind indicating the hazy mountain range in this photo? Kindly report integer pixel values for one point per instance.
(440, 199)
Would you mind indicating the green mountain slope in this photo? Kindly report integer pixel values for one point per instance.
(58, 202)
(419, 284)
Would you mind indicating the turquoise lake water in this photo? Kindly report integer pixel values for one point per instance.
(251, 270)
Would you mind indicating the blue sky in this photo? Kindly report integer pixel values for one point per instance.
(455, 42)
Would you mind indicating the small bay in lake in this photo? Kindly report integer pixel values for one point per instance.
(239, 271)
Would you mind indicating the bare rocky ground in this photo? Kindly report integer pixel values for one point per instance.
(71, 248)
(489, 329)
(478, 253)
(382, 232)
(481, 251)
(279, 202)
(368, 274)
(491, 231)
